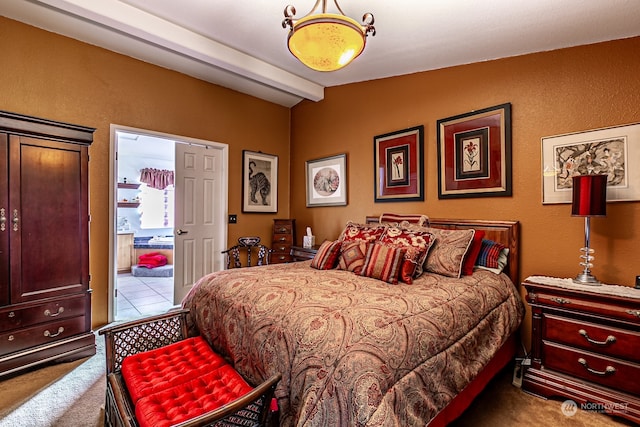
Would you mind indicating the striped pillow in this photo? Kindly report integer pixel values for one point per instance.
(383, 262)
(418, 219)
(493, 256)
(327, 256)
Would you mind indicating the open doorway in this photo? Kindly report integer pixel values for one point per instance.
(146, 275)
(145, 221)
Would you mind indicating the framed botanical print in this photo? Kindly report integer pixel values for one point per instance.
(398, 165)
(327, 181)
(474, 154)
(259, 182)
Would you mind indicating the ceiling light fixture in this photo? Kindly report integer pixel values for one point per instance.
(326, 41)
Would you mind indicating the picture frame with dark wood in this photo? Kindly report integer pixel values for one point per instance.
(326, 181)
(613, 151)
(259, 182)
(474, 154)
(398, 165)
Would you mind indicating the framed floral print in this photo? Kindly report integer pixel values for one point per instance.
(398, 165)
(474, 154)
(327, 181)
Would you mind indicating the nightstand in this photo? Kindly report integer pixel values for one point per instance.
(584, 345)
(298, 253)
(284, 236)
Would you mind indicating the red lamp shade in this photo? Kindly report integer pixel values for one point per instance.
(589, 195)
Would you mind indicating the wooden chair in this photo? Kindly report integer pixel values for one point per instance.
(248, 245)
(157, 334)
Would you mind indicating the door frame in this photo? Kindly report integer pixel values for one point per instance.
(223, 209)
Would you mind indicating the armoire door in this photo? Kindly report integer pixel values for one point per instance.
(47, 218)
(4, 223)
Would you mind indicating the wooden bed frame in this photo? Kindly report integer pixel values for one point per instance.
(507, 233)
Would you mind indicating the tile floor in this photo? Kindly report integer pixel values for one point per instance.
(142, 296)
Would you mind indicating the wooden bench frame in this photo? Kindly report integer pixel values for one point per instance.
(153, 332)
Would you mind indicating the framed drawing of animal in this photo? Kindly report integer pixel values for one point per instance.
(259, 182)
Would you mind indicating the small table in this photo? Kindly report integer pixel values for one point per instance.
(298, 253)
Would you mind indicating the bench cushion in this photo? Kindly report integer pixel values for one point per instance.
(160, 369)
(192, 398)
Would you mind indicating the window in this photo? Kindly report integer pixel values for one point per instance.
(156, 207)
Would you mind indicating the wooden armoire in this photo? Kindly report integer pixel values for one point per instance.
(45, 298)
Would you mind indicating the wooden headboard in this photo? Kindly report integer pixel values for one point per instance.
(505, 232)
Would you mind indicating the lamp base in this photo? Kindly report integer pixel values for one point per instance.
(586, 279)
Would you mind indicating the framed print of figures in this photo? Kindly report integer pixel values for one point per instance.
(327, 181)
(259, 182)
(398, 165)
(614, 151)
(474, 154)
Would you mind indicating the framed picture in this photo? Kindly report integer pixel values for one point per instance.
(474, 154)
(259, 182)
(327, 181)
(398, 165)
(614, 151)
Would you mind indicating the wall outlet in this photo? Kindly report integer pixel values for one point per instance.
(233, 218)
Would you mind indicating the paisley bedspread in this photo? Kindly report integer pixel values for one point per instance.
(355, 351)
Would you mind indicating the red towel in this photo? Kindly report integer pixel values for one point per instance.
(152, 260)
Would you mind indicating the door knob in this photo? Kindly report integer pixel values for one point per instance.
(180, 232)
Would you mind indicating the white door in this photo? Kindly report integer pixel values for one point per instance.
(200, 210)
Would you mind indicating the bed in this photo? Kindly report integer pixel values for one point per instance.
(356, 350)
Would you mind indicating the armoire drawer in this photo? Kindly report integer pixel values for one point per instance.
(610, 372)
(21, 317)
(41, 334)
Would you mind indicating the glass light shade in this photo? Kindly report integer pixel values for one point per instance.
(326, 41)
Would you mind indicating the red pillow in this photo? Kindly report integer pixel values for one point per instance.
(327, 256)
(472, 253)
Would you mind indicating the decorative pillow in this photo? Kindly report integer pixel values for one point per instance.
(421, 220)
(447, 253)
(472, 254)
(416, 242)
(352, 256)
(327, 255)
(383, 262)
(354, 232)
(493, 256)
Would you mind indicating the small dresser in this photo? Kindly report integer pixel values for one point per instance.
(584, 345)
(284, 237)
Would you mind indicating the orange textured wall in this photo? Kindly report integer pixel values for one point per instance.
(54, 77)
(551, 93)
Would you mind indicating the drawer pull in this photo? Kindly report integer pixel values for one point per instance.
(50, 335)
(610, 339)
(47, 312)
(609, 370)
(11, 338)
(12, 314)
(283, 230)
(282, 239)
(634, 312)
(561, 300)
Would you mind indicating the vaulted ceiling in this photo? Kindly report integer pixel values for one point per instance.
(241, 44)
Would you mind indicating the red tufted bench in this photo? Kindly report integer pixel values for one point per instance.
(157, 378)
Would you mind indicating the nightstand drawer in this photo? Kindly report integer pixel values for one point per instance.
(613, 373)
(597, 338)
(586, 303)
